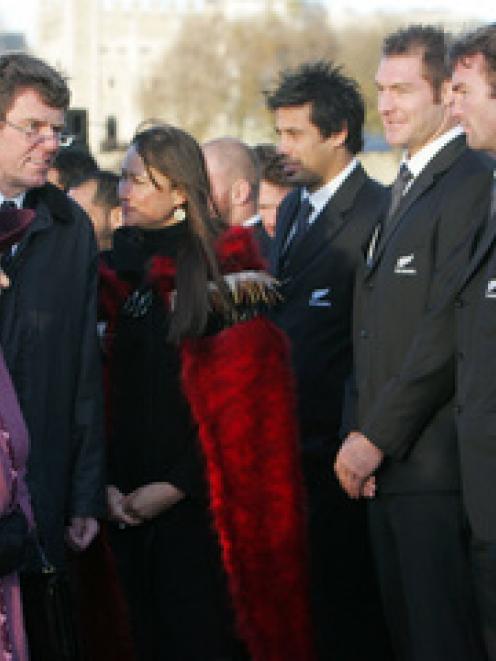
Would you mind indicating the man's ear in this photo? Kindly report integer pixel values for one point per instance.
(338, 139)
(447, 97)
(240, 192)
(115, 218)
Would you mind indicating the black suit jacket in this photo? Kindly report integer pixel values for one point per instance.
(476, 393)
(317, 289)
(404, 322)
(264, 241)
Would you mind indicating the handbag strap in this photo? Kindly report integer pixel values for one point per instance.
(46, 565)
(13, 469)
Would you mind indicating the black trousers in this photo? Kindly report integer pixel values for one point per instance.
(484, 571)
(347, 610)
(421, 550)
(176, 590)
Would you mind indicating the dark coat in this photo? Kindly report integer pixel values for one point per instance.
(48, 333)
(263, 240)
(317, 290)
(404, 323)
(476, 395)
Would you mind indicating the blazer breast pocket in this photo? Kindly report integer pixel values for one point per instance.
(320, 298)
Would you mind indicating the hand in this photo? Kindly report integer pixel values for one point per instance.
(369, 487)
(115, 506)
(81, 532)
(4, 280)
(357, 459)
(150, 500)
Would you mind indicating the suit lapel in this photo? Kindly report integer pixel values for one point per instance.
(330, 221)
(426, 179)
(284, 223)
(487, 242)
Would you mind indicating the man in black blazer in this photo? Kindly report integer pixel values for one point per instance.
(405, 422)
(321, 227)
(474, 84)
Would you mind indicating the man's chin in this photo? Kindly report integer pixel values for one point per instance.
(37, 179)
(304, 178)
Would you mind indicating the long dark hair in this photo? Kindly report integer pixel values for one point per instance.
(176, 154)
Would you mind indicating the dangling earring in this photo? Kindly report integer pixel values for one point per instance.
(179, 214)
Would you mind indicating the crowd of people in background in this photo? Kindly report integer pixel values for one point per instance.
(247, 401)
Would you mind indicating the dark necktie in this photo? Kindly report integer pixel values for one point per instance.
(398, 188)
(403, 177)
(299, 227)
(13, 224)
(492, 210)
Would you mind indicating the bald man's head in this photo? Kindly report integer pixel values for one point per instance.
(234, 178)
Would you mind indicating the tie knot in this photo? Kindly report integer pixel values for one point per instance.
(404, 174)
(306, 207)
(7, 205)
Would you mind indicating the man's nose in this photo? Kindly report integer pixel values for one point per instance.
(384, 102)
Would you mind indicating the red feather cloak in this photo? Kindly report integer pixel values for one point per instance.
(240, 388)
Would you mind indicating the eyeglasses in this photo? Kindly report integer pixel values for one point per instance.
(35, 132)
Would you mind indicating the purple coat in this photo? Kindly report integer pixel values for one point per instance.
(12, 636)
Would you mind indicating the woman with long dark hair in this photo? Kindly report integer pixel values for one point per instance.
(204, 485)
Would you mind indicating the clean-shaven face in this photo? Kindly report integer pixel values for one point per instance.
(474, 104)
(25, 160)
(410, 114)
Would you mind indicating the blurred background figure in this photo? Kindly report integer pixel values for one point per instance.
(273, 187)
(96, 193)
(70, 165)
(233, 173)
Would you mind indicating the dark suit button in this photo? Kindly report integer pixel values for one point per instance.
(461, 355)
(459, 303)
(458, 409)
(363, 334)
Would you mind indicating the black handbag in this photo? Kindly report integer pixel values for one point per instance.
(48, 615)
(14, 528)
(14, 538)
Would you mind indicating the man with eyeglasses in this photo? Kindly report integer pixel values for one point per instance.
(47, 308)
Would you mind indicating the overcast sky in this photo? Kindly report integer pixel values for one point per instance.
(19, 14)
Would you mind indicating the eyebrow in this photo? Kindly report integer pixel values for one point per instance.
(41, 122)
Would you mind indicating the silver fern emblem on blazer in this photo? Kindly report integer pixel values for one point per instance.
(405, 266)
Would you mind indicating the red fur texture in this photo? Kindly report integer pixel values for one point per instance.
(240, 388)
(237, 251)
(111, 294)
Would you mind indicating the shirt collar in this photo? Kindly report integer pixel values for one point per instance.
(18, 200)
(252, 220)
(321, 197)
(421, 159)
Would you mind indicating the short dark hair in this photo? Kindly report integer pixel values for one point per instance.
(432, 42)
(483, 41)
(271, 165)
(73, 164)
(20, 71)
(336, 101)
(106, 193)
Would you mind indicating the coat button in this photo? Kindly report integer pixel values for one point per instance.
(458, 409)
(363, 334)
(459, 303)
(460, 355)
